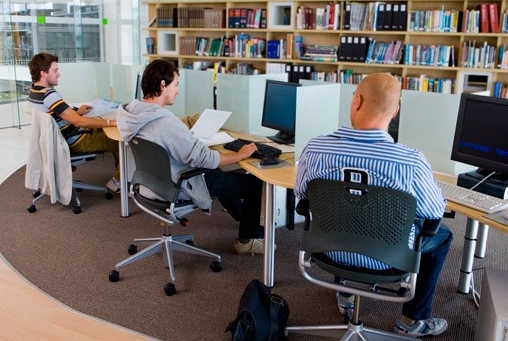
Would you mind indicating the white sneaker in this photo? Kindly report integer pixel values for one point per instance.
(345, 303)
(254, 246)
(431, 326)
(113, 185)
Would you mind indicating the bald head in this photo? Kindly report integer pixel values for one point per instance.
(375, 101)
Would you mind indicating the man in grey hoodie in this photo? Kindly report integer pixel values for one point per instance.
(239, 193)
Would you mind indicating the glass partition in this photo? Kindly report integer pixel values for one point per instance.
(73, 30)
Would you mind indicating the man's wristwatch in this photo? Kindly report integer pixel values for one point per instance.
(108, 122)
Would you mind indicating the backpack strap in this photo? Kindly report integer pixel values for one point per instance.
(275, 303)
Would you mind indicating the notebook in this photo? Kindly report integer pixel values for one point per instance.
(206, 128)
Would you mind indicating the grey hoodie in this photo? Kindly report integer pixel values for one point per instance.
(151, 122)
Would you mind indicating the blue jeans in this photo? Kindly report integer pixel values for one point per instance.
(434, 250)
(240, 194)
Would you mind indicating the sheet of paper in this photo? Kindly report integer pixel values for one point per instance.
(101, 107)
(209, 123)
(219, 138)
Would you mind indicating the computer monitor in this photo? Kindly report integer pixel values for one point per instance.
(481, 134)
(279, 110)
(139, 91)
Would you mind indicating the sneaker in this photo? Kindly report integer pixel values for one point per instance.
(345, 302)
(254, 246)
(113, 185)
(431, 326)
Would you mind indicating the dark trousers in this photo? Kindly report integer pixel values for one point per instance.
(434, 250)
(240, 194)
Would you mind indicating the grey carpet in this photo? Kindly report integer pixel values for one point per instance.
(69, 256)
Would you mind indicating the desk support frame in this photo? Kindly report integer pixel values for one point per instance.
(269, 235)
(124, 191)
(475, 239)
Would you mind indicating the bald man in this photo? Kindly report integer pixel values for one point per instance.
(366, 153)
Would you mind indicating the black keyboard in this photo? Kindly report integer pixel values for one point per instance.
(264, 151)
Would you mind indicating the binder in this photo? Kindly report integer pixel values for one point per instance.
(342, 48)
(347, 16)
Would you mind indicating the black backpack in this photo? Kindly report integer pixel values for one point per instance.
(262, 315)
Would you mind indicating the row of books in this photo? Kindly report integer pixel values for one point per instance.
(428, 84)
(429, 55)
(502, 57)
(499, 90)
(247, 18)
(483, 56)
(189, 17)
(375, 16)
(440, 20)
(320, 18)
(484, 19)
(321, 53)
(380, 52)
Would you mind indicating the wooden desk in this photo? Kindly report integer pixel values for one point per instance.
(475, 237)
(114, 134)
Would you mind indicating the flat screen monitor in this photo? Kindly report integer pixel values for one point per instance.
(279, 110)
(481, 134)
(139, 91)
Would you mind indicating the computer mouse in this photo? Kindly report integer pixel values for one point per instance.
(269, 161)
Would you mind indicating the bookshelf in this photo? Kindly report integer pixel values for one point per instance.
(408, 29)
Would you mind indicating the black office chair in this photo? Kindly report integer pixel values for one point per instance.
(43, 125)
(153, 171)
(368, 220)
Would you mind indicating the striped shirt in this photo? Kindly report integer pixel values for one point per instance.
(50, 101)
(347, 152)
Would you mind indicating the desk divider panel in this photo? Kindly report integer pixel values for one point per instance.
(427, 122)
(101, 81)
(197, 89)
(317, 112)
(123, 82)
(76, 83)
(243, 95)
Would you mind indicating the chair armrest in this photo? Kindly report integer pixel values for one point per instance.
(190, 174)
(193, 172)
(429, 228)
(303, 209)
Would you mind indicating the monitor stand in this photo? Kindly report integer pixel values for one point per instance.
(283, 138)
(496, 185)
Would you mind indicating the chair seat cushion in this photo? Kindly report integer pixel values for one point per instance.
(358, 274)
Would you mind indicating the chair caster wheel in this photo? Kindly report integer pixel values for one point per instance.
(114, 276)
(216, 266)
(133, 249)
(31, 208)
(190, 242)
(108, 195)
(36, 194)
(170, 289)
(76, 209)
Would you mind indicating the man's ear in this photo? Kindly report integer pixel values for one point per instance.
(163, 83)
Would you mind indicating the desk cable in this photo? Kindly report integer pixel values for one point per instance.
(476, 294)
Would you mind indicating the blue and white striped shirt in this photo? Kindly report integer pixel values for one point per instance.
(385, 163)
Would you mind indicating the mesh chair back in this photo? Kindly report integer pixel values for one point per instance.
(153, 168)
(368, 220)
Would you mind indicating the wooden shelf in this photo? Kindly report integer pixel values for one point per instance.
(279, 31)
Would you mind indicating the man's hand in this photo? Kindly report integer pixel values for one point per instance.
(247, 150)
(83, 110)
